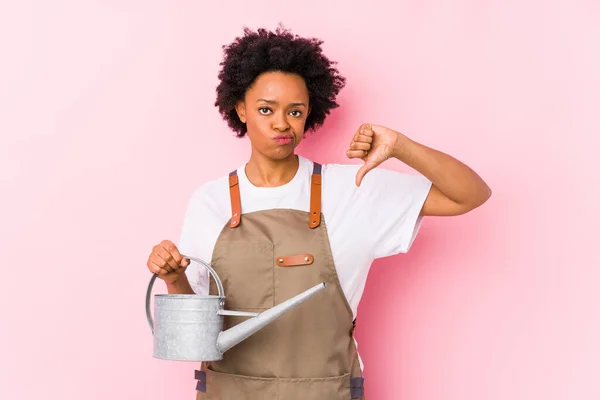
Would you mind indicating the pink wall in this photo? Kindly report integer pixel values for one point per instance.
(108, 124)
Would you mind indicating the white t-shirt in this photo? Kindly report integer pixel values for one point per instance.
(378, 219)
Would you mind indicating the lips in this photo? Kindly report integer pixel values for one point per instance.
(284, 139)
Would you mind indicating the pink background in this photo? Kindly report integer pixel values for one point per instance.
(108, 124)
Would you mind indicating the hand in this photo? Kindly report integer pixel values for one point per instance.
(166, 261)
(373, 144)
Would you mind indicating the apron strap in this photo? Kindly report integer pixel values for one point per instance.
(315, 197)
(201, 378)
(357, 390)
(236, 204)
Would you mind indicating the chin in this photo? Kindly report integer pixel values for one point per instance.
(280, 153)
(281, 156)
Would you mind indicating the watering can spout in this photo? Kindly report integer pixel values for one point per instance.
(238, 333)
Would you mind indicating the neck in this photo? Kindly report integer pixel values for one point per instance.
(266, 172)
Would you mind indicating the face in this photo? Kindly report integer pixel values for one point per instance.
(274, 110)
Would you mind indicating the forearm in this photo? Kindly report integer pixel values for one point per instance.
(180, 286)
(454, 179)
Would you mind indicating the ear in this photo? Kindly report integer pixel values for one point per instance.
(240, 108)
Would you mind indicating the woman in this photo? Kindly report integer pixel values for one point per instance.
(281, 223)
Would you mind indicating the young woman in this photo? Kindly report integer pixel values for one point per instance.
(280, 223)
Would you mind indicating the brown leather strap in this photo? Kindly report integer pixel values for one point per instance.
(315, 197)
(236, 204)
(295, 260)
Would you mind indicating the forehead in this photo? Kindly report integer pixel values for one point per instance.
(279, 86)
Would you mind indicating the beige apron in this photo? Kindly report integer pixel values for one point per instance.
(263, 259)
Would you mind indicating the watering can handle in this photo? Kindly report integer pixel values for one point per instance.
(154, 276)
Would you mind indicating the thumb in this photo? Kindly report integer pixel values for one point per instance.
(363, 171)
(185, 262)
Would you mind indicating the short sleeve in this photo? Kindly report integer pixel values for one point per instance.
(190, 243)
(397, 199)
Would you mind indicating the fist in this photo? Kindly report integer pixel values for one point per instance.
(373, 144)
(166, 261)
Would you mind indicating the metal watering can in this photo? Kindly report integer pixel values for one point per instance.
(189, 327)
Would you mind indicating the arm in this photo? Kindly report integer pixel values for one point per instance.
(180, 286)
(456, 189)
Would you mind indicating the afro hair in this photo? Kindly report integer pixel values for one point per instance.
(261, 51)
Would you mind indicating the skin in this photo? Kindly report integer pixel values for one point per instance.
(277, 104)
(456, 188)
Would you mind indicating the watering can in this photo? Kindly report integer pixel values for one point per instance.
(189, 327)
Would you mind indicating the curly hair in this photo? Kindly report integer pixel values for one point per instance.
(249, 56)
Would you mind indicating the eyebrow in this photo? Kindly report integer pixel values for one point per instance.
(274, 102)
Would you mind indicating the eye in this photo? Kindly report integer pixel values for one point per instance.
(264, 110)
(298, 113)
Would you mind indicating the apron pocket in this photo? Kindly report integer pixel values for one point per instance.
(223, 386)
(331, 388)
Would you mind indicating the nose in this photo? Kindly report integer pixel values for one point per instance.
(280, 122)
